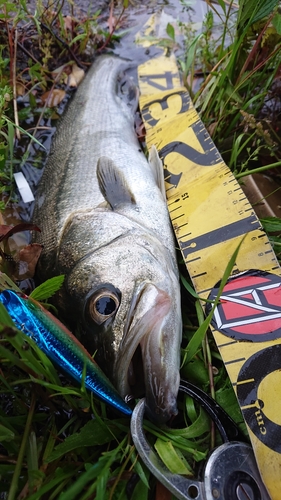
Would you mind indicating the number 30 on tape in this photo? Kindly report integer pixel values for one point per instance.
(210, 215)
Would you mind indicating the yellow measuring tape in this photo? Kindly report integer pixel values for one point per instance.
(210, 215)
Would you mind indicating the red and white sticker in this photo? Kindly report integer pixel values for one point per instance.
(250, 307)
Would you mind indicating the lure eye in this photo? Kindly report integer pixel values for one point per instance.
(102, 305)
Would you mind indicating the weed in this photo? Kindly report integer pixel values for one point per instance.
(241, 72)
(37, 55)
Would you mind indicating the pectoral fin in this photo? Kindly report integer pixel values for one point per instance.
(157, 168)
(112, 184)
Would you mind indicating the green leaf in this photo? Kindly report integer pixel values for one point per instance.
(170, 31)
(99, 471)
(222, 5)
(276, 242)
(82, 36)
(195, 371)
(276, 21)
(92, 434)
(174, 460)
(6, 434)
(190, 409)
(60, 477)
(81, 482)
(199, 427)
(271, 224)
(139, 469)
(199, 335)
(50, 443)
(5, 318)
(103, 476)
(227, 399)
(265, 7)
(29, 361)
(140, 491)
(11, 124)
(7, 284)
(252, 11)
(191, 54)
(188, 287)
(48, 288)
(32, 452)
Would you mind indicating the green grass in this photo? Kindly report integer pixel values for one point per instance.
(38, 51)
(56, 440)
(241, 62)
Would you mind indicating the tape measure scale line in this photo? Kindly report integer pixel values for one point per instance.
(210, 215)
(181, 161)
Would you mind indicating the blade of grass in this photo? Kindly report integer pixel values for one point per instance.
(174, 461)
(98, 471)
(258, 170)
(16, 475)
(51, 484)
(124, 465)
(7, 284)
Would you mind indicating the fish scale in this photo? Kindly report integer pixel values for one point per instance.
(65, 175)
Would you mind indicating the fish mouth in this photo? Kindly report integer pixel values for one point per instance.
(148, 361)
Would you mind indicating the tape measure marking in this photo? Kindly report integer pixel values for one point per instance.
(219, 235)
(227, 344)
(248, 389)
(234, 361)
(153, 79)
(250, 307)
(207, 204)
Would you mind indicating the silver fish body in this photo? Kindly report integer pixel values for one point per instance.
(102, 211)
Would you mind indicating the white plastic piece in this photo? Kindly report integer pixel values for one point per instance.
(23, 187)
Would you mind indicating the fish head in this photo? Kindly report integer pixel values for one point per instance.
(127, 293)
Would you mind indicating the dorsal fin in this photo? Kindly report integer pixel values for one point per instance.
(112, 184)
(157, 168)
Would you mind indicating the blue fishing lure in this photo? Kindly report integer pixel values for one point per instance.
(60, 346)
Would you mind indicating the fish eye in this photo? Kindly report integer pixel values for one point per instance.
(102, 305)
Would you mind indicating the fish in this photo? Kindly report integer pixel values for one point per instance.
(51, 336)
(102, 210)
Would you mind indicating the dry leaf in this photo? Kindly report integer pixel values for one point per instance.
(65, 68)
(27, 260)
(111, 20)
(53, 97)
(20, 89)
(68, 22)
(76, 76)
(4, 230)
